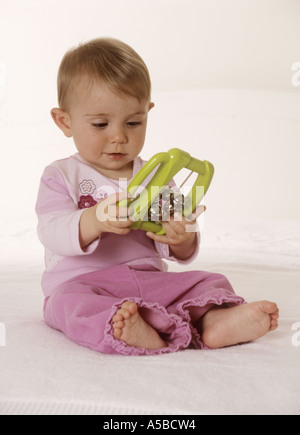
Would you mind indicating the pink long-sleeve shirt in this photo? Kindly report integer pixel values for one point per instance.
(68, 186)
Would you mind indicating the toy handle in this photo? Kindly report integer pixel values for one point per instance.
(169, 164)
(145, 171)
(205, 170)
(196, 165)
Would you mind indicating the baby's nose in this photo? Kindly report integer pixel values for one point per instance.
(118, 136)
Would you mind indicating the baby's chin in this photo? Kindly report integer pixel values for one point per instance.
(114, 168)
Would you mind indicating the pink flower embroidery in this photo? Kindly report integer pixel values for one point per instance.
(86, 201)
(87, 186)
(101, 194)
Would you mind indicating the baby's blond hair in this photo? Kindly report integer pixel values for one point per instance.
(105, 60)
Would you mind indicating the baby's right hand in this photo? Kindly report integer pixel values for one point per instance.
(112, 218)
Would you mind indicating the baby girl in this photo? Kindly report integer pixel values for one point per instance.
(106, 286)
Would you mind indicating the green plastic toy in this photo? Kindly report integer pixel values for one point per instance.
(167, 165)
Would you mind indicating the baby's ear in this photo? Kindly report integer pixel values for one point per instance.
(62, 120)
(151, 105)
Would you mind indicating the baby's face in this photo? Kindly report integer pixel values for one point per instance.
(109, 130)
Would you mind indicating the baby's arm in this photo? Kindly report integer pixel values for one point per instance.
(184, 250)
(63, 228)
(58, 215)
(104, 217)
(181, 235)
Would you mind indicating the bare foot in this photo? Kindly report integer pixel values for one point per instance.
(129, 326)
(223, 327)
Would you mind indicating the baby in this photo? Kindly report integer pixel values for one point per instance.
(106, 286)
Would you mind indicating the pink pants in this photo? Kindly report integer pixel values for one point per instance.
(83, 307)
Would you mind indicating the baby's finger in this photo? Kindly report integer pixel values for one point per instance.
(114, 211)
(198, 212)
(118, 212)
(175, 226)
(119, 223)
(114, 198)
(109, 210)
(158, 238)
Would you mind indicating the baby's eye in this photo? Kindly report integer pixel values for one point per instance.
(100, 125)
(134, 123)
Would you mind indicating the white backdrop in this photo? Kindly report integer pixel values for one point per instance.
(222, 84)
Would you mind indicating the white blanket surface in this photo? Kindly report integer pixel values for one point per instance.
(43, 372)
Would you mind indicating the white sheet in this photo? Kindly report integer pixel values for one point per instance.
(42, 372)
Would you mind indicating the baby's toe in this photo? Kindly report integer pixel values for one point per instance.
(269, 307)
(125, 313)
(118, 325)
(117, 317)
(117, 332)
(273, 324)
(121, 314)
(130, 307)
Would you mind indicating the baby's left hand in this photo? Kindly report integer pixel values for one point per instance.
(179, 230)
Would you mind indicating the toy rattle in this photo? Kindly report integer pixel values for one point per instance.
(158, 201)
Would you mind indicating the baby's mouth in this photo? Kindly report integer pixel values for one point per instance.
(115, 156)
